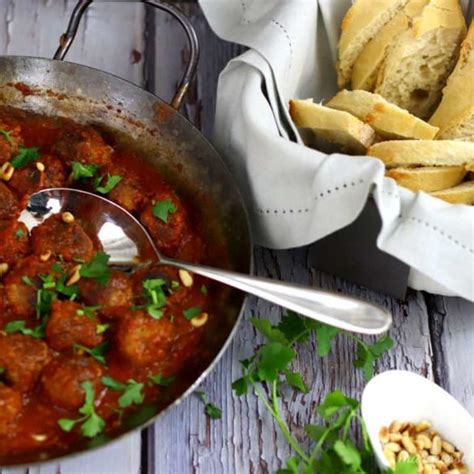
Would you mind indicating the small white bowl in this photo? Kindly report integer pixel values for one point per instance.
(405, 396)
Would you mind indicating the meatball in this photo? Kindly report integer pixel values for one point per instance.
(85, 146)
(20, 294)
(10, 408)
(167, 235)
(30, 179)
(60, 238)
(23, 359)
(14, 241)
(142, 340)
(114, 299)
(62, 379)
(9, 147)
(128, 195)
(66, 327)
(8, 202)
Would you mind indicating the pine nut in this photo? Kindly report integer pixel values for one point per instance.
(390, 457)
(186, 278)
(395, 437)
(448, 447)
(432, 459)
(403, 456)
(39, 437)
(4, 267)
(425, 440)
(67, 217)
(200, 320)
(409, 445)
(393, 447)
(40, 166)
(447, 459)
(423, 426)
(74, 275)
(428, 469)
(395, 426)
(453, 471)
(436, 446)
(424, 453)
(6, 171)
(383, 435)
(44, 257)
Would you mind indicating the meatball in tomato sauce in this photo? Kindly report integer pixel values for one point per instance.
(8, 202)
(63, 378)
(10, 409)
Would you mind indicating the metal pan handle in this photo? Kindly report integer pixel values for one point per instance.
(67, 39)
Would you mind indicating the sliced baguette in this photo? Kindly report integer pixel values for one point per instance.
(460, 129)
(428, 178)
(456, 108)
(418, 65)
(423, 153)
(336, 127)
(367, 65)
(388, 120)
(462, 194)
(361, 23)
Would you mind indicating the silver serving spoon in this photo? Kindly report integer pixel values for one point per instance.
(127, 242)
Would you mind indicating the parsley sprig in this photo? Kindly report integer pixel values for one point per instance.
(81, 171)
(6, 135)
(98, 353)
(269, 370)
(155, 293)
(162, 209)
(112, 181)
(211, 410)
(97, 269)
(25, 156)
(92, 423)
(132, 391)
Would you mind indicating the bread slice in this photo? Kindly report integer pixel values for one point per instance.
(428, 178)
(456, 107)
(418, 65)
(388, 120)
(361, 23)
(423, 153)
(462, 194)
(367, 65)
(460, 129)
(337, 127)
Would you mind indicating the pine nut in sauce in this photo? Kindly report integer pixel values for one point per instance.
(67, 217)
(4, 267)
(200, 320)
(6, 171)
(40, 166)
(74, 275)
(44, 257)
(186, 278)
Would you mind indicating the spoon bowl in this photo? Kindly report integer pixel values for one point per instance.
(128, 243)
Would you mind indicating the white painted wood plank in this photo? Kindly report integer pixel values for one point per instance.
(109, 34)
(458, 350)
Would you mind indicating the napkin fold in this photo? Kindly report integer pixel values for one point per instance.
(297, 195)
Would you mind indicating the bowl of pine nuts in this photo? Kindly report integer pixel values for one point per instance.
(407, 416)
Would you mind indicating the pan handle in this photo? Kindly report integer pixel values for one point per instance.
(67, 39)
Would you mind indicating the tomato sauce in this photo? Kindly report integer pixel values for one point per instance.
(83, 346)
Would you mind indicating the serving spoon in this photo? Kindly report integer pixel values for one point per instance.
(127, 243)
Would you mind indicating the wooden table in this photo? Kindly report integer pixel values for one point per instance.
(434, 335)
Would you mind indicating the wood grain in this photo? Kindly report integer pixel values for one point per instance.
(434, 335)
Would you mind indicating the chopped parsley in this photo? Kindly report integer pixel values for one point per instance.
(25, 156)
(98, 352)
(39, 332)
(155, 291)
(19, 233)
(132, 391)
(97, 268)
(211, 410)
(92, 423)
(88, 311)
(162, 209)
(112, 181)
(204, 289)
(6, 134)
(161, 380)
(101, 328)
(80, 171)
(192, 313)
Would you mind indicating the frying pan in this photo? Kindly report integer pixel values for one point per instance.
(159, 134)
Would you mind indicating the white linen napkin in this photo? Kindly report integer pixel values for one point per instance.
(297, 195)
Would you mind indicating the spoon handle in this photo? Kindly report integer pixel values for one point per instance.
(344, 312)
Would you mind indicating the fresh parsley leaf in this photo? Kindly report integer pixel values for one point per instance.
(155, 289)
(211, 410)
(112, 181)
(348, 454)
(273, 358)
(367, 355)
(293, 327)
(240, 386)
(88, 311)
(92, 423)
(19, 233)
(333, 402)
(110, 382)
(98, 352)
(80, 171)
(132, 391)
(162, 209)
(6, 134)
(324, 336)
(296, 381)
(27, 280)
(39, 332)
(25, 156)
(381, 346)
(97, 268)
(265, 328)
(410, 466)
(101, 328)
(161, 380)
(192, 313)
(154, 311)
